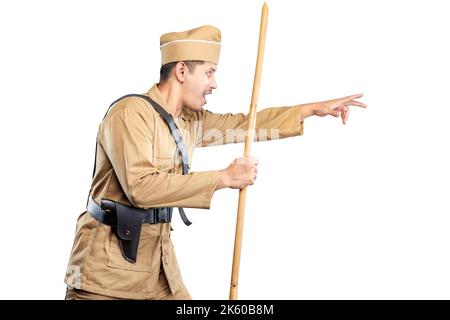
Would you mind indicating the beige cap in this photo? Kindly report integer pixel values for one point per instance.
(202, 43)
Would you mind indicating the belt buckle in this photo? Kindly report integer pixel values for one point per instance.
(163, 215)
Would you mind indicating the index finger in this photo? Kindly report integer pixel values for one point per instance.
(353, 97)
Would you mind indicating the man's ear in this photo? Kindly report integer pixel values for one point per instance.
(180, 71)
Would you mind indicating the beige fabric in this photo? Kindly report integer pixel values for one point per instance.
(202, 43)
(76, 294)
(162, 293)
(138, 163)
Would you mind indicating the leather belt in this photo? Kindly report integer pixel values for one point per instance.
(152, 215)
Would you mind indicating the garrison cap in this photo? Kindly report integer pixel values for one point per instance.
(202, 43)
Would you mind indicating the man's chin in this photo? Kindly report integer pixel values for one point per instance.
(196, 108)
(201, 105)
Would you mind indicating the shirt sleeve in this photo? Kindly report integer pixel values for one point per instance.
(271, 124)
(127, 138)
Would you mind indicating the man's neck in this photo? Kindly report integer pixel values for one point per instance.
(172, 98)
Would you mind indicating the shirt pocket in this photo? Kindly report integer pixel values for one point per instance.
(148, 255)
(165, 150)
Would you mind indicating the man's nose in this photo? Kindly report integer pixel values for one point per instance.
(213, 84)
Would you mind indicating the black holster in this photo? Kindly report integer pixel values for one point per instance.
(126, 223)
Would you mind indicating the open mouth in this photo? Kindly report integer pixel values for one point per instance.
(205, 94)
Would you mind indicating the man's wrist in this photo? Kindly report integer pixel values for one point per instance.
(221, 180)
(308, 110)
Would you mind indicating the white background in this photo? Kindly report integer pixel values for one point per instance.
(344, 212)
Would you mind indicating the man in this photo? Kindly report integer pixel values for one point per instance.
(139, 164)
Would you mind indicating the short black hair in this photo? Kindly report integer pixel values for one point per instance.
(166, 70)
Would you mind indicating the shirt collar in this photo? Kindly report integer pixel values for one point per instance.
(156, 95)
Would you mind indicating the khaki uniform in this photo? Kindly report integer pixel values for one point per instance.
(138, 164)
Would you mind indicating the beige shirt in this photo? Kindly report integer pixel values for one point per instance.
(138, 163)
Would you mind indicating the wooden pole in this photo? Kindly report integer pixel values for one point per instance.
(248, 143)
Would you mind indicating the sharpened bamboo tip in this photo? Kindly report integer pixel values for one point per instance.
(265, 12)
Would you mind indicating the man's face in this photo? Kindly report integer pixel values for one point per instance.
(198, 84)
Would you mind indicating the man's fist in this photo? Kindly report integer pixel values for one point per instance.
(239, 174)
